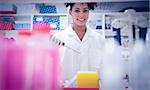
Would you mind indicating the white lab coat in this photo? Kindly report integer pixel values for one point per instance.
(76, 55)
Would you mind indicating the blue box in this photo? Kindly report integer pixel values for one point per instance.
(47, 9)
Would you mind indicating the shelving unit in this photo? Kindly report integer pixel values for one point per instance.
(97, 21)
(28, 18)
(21, 21)
(24, 22)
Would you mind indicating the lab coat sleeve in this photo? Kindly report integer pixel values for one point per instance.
(58, 40)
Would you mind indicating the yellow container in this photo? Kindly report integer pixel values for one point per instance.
(87, 79)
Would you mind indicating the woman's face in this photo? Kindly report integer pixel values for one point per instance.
(80, 13)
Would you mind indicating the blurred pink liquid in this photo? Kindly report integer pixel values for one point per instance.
(28, 67)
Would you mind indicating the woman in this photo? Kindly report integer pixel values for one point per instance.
(81, 47)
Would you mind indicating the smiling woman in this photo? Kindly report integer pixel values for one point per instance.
(82, 48)
(80, 14)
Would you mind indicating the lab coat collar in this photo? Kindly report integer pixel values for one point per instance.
(72, 33)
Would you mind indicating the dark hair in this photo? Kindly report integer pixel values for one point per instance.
(91, 6)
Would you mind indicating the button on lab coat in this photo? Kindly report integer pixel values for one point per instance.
(77, 55)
